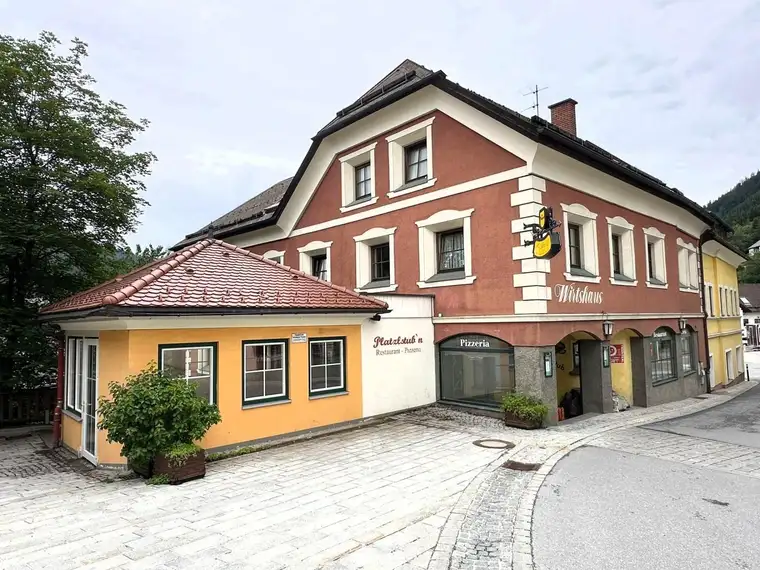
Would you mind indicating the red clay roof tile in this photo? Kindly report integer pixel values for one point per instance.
(212, 273)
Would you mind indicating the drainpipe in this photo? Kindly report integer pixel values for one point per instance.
(58, 394)
(702, 239)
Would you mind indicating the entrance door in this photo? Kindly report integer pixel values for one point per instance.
(89, 399)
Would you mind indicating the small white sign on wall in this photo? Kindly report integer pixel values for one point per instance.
(296, 338)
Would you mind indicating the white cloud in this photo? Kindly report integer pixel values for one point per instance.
(223, 162)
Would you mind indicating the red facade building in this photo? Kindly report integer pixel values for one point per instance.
(424, 187)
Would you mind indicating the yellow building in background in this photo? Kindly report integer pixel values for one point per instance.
(720, 262)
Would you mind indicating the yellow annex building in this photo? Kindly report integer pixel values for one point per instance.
(721, 305)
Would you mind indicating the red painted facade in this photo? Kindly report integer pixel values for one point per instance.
(461, 155)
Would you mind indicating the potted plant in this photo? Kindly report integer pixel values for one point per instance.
(157, 419)
(523, 411)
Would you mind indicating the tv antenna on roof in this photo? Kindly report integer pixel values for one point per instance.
(535, 93)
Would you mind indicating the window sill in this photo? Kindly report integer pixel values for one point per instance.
(448, 283)
(319, 396)
(688, 290)
(626, 282)
(384, 289)
(72, 415)
(656, 383)
(264, 404)
(657, 285)
(404, 190)
(582, 278)
(356, 205)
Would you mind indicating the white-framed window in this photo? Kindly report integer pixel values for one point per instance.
(265, 371)
(357, 174)
(688, 279)
(739, 359)
(654, 248)
(327, 365)
(445, 245)
(314, 259)
(196, 363)
(276, 256)
(74, 374)
(622, 252)
(410, 159)
(687, 350)
(722, 293)
(375, 261)
(729, 366)
(581, 248)
(709, 300)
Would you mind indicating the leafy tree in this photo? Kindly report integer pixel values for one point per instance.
(125, 259)
(69, 189)
(750, 271)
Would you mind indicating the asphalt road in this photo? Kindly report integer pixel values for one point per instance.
(737, 421)
(601, 508)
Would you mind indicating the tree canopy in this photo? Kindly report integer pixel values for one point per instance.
(70, 188)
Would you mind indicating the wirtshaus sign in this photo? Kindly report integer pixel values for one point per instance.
(545, 242)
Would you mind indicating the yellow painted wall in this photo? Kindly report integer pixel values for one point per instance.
(127, 352)
(622, 373)
(724, 332)
(71, 432)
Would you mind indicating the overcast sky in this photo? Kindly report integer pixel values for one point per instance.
(235, 89)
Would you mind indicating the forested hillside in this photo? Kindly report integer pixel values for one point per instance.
(740, 207)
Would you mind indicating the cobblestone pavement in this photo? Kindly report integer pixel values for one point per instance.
(370, 498)
(411, 493)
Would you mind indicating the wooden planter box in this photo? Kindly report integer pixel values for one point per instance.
(512, 420)
(193, 468)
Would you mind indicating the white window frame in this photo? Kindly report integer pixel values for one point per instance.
(312, 249)
(73, 393)
(655, 236)
(276, 256)
(364, 244)
(722, 300)
(283, 395)
(397, 142)
(739, 359)
(688, 279)
(580, 215)
(621, 227)
(343, 356)
(709, 300)
(212, 363)
(348, 164)
(428, 230)
(730, 373)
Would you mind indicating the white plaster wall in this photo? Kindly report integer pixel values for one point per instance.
(399, 376)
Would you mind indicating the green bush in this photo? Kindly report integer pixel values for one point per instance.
(178, 455)
(525, 407)
(152, 413)
(162, 479)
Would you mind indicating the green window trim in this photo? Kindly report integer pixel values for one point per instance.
(252, 402)
(312, 366)
(214, 366)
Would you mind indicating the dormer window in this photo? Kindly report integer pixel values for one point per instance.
(415, 159)
(357, 173)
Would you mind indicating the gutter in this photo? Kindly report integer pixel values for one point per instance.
(706, 236)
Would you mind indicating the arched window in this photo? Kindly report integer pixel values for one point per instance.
(687, 350)
(662, 356)
(476, 369)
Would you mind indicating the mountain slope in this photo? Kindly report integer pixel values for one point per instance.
(740, 207)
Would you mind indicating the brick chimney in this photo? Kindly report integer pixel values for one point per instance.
(563, 115)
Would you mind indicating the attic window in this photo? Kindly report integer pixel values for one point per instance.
(411, 159)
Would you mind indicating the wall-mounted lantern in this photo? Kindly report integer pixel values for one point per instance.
(607, 327)
(682, 322)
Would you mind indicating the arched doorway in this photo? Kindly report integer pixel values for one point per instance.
(476, 369)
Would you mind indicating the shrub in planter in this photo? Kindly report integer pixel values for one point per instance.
(156, 418)
(523, 411)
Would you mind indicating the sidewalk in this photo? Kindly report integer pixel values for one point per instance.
(491, 524)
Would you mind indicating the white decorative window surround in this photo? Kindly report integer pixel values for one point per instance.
(620, 235)
(366, 281)
(307, 253)
(397, 142)
(709, 301)
(348, 164)
(654, 249)
(274, 255)
(688, 280)
(429, 229)
(588, 272)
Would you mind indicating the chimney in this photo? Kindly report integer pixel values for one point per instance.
(563, 115)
